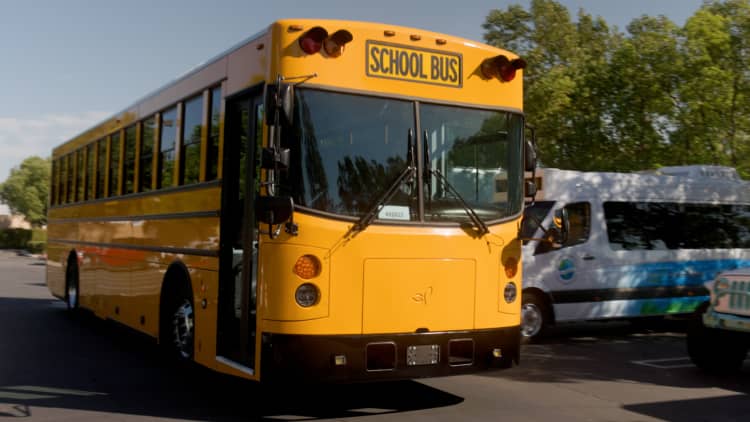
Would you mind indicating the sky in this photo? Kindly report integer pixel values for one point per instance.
(66, 65)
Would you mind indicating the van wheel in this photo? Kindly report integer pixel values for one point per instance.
(714, 350)
(534, 316)
(71, 287)
(178, 324)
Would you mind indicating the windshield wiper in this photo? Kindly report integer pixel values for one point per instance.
(409, 171)
(480, 226)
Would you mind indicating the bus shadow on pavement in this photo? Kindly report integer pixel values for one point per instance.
(80, 363)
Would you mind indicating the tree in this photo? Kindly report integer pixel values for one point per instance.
(657, 95)
(27, 188)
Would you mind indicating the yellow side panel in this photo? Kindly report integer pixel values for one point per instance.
(402, 295)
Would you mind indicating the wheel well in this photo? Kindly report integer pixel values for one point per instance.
(176, 278)
(545, 298)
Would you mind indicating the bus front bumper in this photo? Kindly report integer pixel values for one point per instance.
(731, 322)
(354, 358)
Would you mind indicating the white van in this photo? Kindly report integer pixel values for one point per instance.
(637, 244)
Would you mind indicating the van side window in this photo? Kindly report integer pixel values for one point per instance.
(533, 217)
(579, 217)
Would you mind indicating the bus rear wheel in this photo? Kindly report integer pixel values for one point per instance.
(71, 286)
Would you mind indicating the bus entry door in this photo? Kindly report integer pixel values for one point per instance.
(236, 331)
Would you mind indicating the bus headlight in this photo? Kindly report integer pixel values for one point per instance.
(511, 292)
(307, 295)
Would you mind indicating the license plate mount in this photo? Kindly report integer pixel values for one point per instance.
(428, 354)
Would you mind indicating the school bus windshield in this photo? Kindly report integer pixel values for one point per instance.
(347, 150)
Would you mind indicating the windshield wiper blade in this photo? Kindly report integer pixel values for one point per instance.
(480, 226)
(409, 171)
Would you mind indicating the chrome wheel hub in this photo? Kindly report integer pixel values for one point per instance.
(183, 324)
(531, 320)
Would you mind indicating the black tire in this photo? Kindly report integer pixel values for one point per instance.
(71, 286)
(535, 316)
(177, 324)
(714, 350)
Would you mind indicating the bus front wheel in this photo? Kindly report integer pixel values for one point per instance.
(178, 324)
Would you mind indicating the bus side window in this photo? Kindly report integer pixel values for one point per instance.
(579, 217)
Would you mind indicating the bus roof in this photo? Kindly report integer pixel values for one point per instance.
(218, 68)
(570, 185)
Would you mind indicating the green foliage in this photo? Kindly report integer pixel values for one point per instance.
(657, 95)
(14, 238)
(27, 188)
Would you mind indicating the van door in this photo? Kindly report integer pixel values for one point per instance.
(567, 271)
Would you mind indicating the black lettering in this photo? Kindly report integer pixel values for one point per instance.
(444, 69)
(403, 63)
(374, 63)
(394, 62)
(453, 76)
(414, 65)
(434, 68)
(421, 67)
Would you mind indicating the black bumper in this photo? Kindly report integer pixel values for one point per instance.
(313, 358)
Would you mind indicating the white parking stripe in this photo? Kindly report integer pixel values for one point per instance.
(666, 363)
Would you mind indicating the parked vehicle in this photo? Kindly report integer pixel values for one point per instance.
(637, 244)
(719, 340)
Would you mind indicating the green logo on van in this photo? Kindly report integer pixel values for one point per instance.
(566, 270)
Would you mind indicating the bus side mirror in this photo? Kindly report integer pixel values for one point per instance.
(529, 156)
(272, 158)
(530, 188)
(279, 101)
(275, 211)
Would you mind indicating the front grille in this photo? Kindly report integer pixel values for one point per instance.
(739, 296)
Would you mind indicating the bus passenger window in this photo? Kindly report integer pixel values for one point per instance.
(114, 165)
(147, 154)
(190, 153)
(129, 163)
(214, 122)
(90, 182)
(102, 167)
(579, 219)
(80, 174)
(166, 148)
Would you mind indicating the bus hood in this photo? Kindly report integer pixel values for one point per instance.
(410, 295)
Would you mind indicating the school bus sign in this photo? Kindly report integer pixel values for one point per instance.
(393, 61)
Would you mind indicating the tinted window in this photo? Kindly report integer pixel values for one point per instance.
(70, 194)
(579, 227)
(90, 181)
(653, 226)
(478, 154)
(166, 148)
(129, 161)
(101, 167)
(80, 174)
(347, 151)
(192, 126)
(533, 217)
(212, 148)
(114, 165)
(147, 154)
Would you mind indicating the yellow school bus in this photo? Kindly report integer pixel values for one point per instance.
(318, 202)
